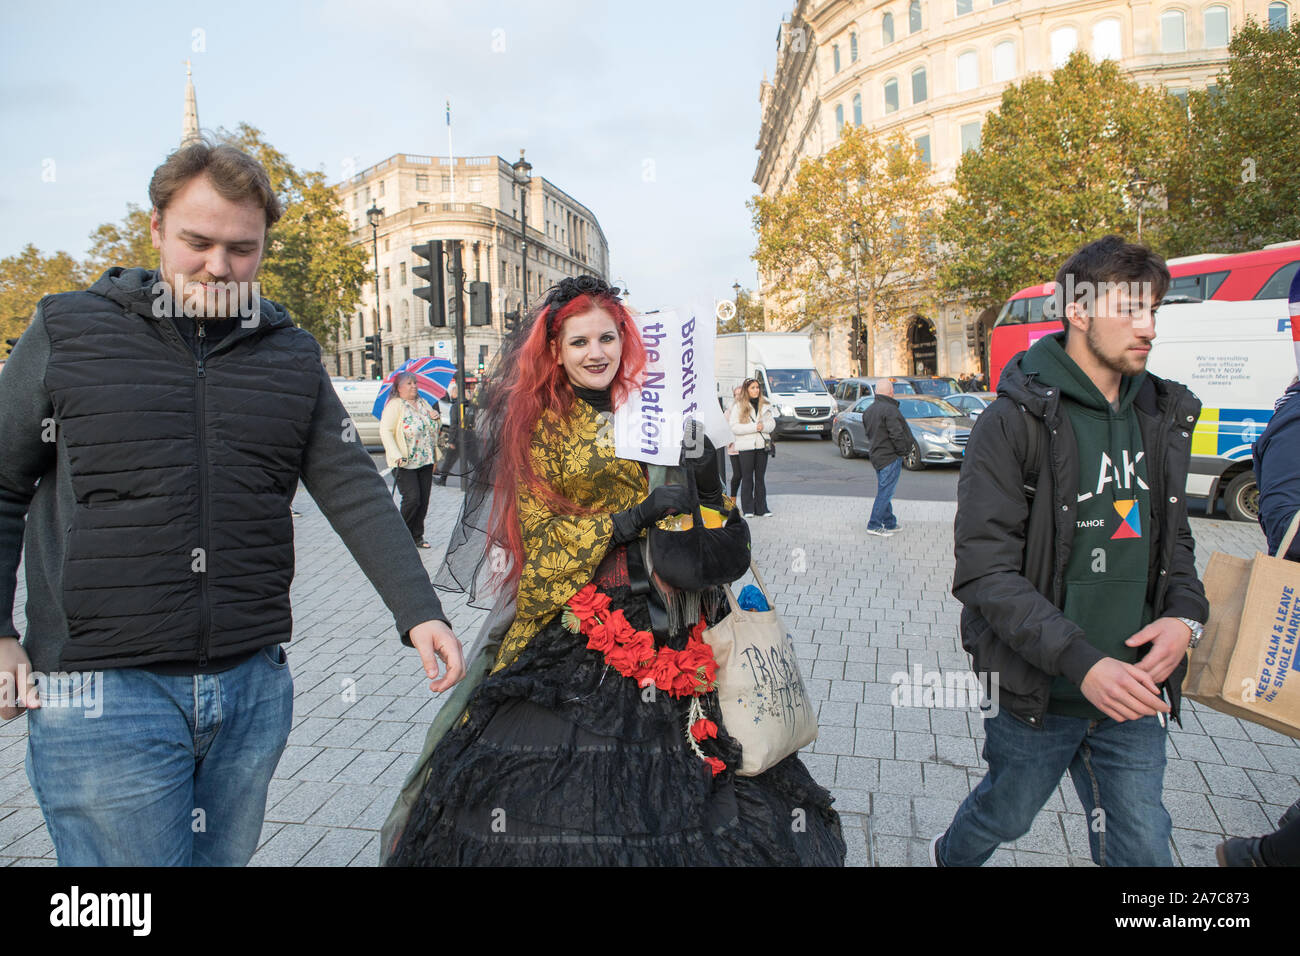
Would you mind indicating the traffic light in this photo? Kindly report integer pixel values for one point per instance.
(11, 343)
(374, 352)
(480, 303)
(435, 293)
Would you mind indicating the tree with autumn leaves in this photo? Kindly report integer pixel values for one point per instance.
(310, 265)
(857, 227)
(1071, 157)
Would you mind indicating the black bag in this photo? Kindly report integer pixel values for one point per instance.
(701, 557)
(770, 445)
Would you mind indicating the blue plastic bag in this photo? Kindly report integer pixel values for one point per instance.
(752, 599)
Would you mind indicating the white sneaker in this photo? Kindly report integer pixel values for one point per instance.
(879, 532)
(767, 514)
(747, 514)
(934, 851)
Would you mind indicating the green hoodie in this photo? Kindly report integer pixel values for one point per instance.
(1106, 577)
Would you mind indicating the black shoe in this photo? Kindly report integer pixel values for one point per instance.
(1239, 851)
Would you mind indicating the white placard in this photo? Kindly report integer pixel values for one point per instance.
(678, 384)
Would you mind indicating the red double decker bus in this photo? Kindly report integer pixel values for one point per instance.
(1264, 274)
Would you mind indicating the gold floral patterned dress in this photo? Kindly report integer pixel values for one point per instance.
(559, 760)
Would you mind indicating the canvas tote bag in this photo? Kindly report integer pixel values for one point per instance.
(1245, 662)
(765, 706)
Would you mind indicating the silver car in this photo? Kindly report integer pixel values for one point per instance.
(971, 403)
(939, 431)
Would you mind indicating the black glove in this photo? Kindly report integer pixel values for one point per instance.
(663, 501)
(699, 453)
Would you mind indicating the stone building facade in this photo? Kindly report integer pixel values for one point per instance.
(477, 200)
(934, 69)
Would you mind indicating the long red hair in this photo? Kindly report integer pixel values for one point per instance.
(539, 385)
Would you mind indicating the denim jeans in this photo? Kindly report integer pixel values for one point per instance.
(882, 511)
(161, 771)
(1118, 770)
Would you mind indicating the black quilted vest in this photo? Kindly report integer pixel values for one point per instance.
(181, 544)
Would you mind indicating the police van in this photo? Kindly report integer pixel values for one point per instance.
(1237, 358)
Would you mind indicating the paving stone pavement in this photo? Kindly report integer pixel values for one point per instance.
(862, 609)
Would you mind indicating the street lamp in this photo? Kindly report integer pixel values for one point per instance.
(857, 296)
(740, 320)
(523, 174)
(1139, 184)
(373, 215)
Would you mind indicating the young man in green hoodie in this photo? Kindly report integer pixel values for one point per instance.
(1075, 566)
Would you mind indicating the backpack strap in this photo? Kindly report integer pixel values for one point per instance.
(1033, 453)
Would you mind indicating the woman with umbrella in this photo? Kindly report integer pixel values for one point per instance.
(408, 428)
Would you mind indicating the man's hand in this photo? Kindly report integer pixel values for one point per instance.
(1122, 691)
(1169, 638)
(434, 639)
(17, 688)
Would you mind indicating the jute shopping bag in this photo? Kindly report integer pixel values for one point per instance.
(1245, 662)
(765, 706)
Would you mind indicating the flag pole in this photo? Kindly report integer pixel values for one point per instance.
(451, 160)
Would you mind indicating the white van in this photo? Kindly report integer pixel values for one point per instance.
(782, 363)
(1237, 359)
(358, 398)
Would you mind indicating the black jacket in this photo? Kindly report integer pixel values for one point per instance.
(1012, 544)
(888, 436)
(156, 482)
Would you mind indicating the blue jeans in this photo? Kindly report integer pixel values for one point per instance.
(882, 511)
(133, 768)
(1118, 770)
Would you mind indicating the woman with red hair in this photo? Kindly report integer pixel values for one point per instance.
(586, 731)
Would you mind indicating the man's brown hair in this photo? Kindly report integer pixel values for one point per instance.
(235, 175)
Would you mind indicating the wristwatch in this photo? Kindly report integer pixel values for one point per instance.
(1197, 629)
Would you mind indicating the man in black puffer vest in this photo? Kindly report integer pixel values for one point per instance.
(153, 430)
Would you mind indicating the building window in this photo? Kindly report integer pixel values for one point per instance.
(922, 144)
(857, 109)
(964, 7)
(406, 313)
(1064, 42)
(350, 371)
(835, 56)
(1180, 94)
(891, 96)
(914, 16)
(968, 71)
(1004, 60)
(1106, 44)
(1278, 18)
(887, 30)
(853, 48)
(476, 185)
(839, 118)
(970, 136)
(388, 318)
(422, 182)
(381, 189)
(446, 184)
(1216, 26)
(386, 283)
(919, 91)
(356, 200)
(401, 273)
(1173, 32)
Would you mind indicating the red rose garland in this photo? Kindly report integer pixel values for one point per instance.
(690, 672)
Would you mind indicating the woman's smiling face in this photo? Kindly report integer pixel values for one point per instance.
(590, 349)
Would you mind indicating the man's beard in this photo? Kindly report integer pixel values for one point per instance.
(191, 297)
(1124, 364)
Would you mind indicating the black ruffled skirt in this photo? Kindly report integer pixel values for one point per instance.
(565, 762)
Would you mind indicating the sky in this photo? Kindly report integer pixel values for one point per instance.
(647, 113)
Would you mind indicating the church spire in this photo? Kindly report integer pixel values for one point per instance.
(190, 125)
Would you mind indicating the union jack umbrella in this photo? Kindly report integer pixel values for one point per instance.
(432, 376)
